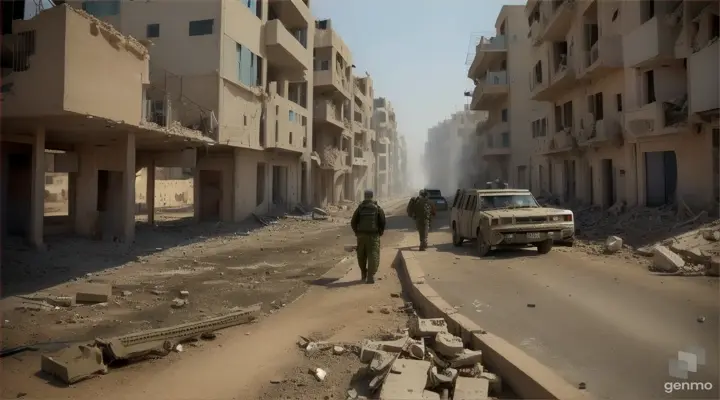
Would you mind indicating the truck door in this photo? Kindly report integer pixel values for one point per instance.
(457, 210)
(468, 214)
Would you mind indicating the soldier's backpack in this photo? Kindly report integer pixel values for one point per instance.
(411, 208)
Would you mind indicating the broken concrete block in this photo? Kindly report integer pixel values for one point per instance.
(93, 293)
(395, 346)
(471, 389)
(495, 382)
(368, 351)
(613, 244)
(61, 301)
(428, 327)
(665, 260)
(179, 303)
(320, 211)
(381, 361)
(711, 235)
(448, 345)
(184, 294)
(692, 255)
(408, 383)
(713, 267)
(437, 378)
(467, 358)
(74, 363)
(337, 350)
(644, 251)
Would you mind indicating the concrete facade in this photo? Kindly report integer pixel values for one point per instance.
(221, 89)
(622, 100)
(390, 150)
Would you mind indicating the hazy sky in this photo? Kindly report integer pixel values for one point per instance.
(415, 51)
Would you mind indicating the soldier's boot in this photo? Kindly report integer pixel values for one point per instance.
(370, 280)
(363, 274)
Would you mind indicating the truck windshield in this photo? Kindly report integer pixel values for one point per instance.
(434, 193)
(508, 201)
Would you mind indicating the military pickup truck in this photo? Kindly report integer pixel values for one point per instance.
(496, 218)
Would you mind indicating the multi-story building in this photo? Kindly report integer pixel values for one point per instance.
(333, 129)
(363, 156)
(385, 126)
(241, 67)
(632, 115)
(503, 92)
(89, 114)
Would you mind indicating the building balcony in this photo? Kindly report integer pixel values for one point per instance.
(360, 157)
(558, 21)
(487, 51)
(655, 119)
(293, 12)
(558, 143)
(493, 88)
(332, 82)
(650, 44)
(282, 48)
(497, 151)
(33, 86)
(603, 58)
(535, 34)
(332, 158)
(288, 129)
(702, 78)
(325, 112)
(561, 80)
(607, 131)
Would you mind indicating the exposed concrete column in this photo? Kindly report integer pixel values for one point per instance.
(150, 193)
(37, 196)
(85, 192)
(128, 188)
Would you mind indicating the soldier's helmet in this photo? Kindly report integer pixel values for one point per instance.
(423, 193)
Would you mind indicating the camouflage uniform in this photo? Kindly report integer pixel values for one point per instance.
(423, 213)
(368, 223)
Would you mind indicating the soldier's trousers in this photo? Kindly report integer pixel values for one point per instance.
(368, 253)
(423, 226)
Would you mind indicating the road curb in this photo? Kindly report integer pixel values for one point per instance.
(526, 376)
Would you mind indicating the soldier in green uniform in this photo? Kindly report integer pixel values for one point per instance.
(368, 223)
(424, 211)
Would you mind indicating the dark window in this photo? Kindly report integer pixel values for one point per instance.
(153, 31)
(558, 119)
(649, 87)
(504, 115)
(619, 102)
(201, 27)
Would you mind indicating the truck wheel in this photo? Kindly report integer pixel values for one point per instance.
(483, 248)
(456, 239)
(545, 247)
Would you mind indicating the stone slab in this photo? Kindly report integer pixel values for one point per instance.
(407, 380)
(93, 293)
(471, 389)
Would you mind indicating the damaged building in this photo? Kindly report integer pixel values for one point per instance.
(623, 100)
(254, 102)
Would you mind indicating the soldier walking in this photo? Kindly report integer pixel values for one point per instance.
(368, 223)
(424, 211)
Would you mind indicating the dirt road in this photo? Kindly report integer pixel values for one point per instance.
(284, 264)
(593, 319)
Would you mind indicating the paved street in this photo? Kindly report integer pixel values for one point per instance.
(597, 320)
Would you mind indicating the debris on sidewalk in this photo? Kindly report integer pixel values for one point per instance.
(77, 363)
(424, 361)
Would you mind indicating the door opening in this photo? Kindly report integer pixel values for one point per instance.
(660, 178)
(608, 182)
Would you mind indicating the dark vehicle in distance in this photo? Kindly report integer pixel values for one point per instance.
(435, 195)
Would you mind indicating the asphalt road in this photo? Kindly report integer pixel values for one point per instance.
(598, 320)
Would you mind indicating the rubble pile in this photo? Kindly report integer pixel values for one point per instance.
(424, 361)
(659, 234)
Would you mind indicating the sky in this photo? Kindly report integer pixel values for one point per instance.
(415, 52)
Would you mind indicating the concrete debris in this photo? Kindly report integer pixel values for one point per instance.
(664, 260)
(179, 303)
(93, 293)
(184, 294)
(320, 211)
(711, 235)
(613, 244)
(424, 362)
(471, 389)
(320, 374)
(74, 364)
